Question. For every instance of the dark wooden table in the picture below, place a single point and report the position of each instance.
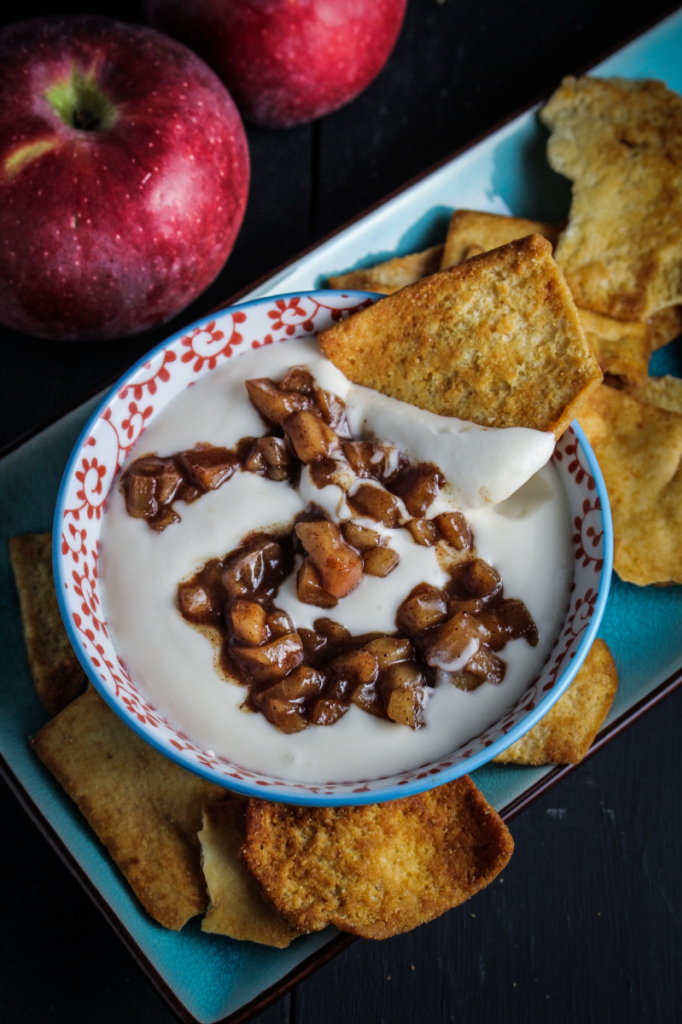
(585, 924)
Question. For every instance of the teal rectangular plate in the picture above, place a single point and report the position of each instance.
(206, 978)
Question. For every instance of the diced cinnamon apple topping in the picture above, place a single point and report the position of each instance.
(450, 645)
(476, 578)
(375, 502)
(335, 633)
(269, 456)
(338, 564)
(284, 714)
(256, 568)
(208, 467)
(380, 561)
(352, 669)
(279, 623)
(310, 436)
(507, 620)
(274, 404)
(300, 379)
(454, 528)
(314, 646)
(249, 623)
(333, 411)
(389, 650)
(272, 660)
(376, 459)
(360, 537)
(404, 694)
(424, 607)
(305, 677)
(149, 484)
(418, 486)
(326, 711)
(424, 532)
(194, 601)
(309, 587)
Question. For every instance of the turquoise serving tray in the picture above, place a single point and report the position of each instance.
(206, 978)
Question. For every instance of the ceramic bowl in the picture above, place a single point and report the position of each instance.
(118, 424)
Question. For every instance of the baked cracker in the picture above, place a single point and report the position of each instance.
(144, 808)
(380, 869)
(567, 731)
(622, 348)
(472, 232)
(620, 143)
(664, 326)
(236, 906)
(496, 340)
(639, 449)
(664, 392)
(392, 275)
(57, 674)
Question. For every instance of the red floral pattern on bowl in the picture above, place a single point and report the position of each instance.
(102, 450)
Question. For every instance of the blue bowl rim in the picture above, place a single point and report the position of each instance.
(292, 794)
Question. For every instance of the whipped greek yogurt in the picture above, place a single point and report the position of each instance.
(501, 479)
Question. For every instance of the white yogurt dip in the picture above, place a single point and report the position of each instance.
(526, 537)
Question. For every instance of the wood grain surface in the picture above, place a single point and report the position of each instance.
(585, 923)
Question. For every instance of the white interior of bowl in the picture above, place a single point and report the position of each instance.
(117, 426)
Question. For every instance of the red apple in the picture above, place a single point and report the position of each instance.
(286, 61)
(124, 173)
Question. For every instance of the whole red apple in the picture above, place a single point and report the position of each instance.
(286, 61)
(124, 173)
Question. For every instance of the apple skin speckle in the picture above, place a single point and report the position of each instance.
(286, 62)
(89, 253)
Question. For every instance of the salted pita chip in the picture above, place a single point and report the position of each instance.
(472, 232)
(664, 327)
(620, 143)
(639, 449)
(623, 348)
(55, 669)
(496, 340)
(237, 908)
(664, 392)
(143, 807)
(569, 728)
(392, 275)
(376, 870)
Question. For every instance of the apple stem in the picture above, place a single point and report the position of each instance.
(81, 104)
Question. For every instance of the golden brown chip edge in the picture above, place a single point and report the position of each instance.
(236, 907)
(120, 785)
(55, 670)
(361, 346)
(271, 825)
(568, 730)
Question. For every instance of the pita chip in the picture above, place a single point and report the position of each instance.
(380, 869)
(622, 348)
(472, 232)
(144, 808)
(664, 326)
(237, 908)
(55, 669)
(664, 392)
(392, 275)
(569, 728)
(620, 143)
(639, 449)
(496, 340)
